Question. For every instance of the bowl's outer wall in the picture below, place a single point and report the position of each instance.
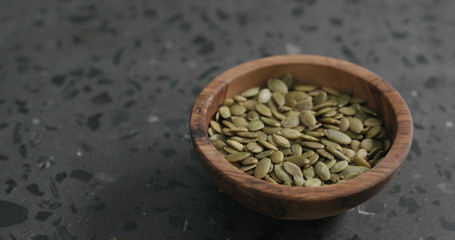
(292, 202)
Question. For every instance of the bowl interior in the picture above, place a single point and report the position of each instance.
(319, 75)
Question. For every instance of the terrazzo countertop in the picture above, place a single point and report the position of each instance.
(95, 98)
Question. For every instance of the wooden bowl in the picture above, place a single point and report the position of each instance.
(301, 203)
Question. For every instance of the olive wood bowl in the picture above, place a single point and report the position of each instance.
(291, 202)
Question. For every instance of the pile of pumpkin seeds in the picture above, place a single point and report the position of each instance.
(299, 134)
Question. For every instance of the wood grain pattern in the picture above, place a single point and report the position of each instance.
(301, 203)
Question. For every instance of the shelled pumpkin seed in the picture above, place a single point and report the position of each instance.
(299, 134)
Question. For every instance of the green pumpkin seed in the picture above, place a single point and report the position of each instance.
(330, 126)
(277, 157)
(228, 102)
(215, 126)
(330, 121)
(278, 115)
(240, 99)
(263, 109)
(352, 135)
(307, 154)
(323, 111)
(338, 154)
(322, 171)
(369, 144)
(218, 137)
(337, 136)
(281, 141)
(349, 153)
(247, 168)
(286, 151)
(236, 145)
(386, 145)
(343, 100)
(237, 109)
(271, 130)
(286, 183)
(330, 143)
(254, 147)
(291, 121)
(279, 98)
(313, 158)
(304, 104)
(250, 104)
(218, 144)
(251, 92)
(314, 145)
(308, 119)
(252, 115)
(355, 125)
(308, 173)
(313, 182)
(320, 98)
(298, 181)
(238, 156)
(264, 95)
(255, 125)
(355, 145)
(227, 132)
(297, 160)
(262, 168)
(275, 177)
(276, 85)
(270, 179)
(328, 103)
(351, 172)
(235, 130)
(309, 138)
(329, 163)
(360, 162)
(329, 114)
(315, 134)
(332, 91)
(287, 79)
(228, 124)
(271, 122)
(242, 139)
(325, 154)
(339, 166)
(292, 169)
(362, 153)
(249, 161)
(334, 178)
(247, 134)
(369, 111)
(225, 112)
(372, 122)
(271, 141)
(281, 174)
(267, 144)
(264, 154)
(344, 124)
(296, 149)
(290, 133)
(347, 111)
(373, 132)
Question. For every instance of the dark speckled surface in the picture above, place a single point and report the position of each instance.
(95, 98)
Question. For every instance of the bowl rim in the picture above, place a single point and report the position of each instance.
(377, 175)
